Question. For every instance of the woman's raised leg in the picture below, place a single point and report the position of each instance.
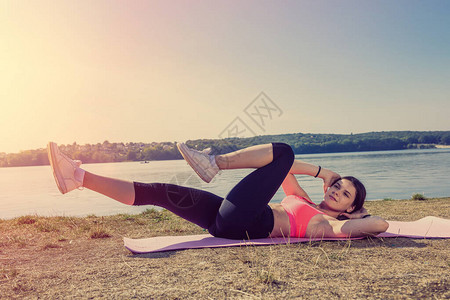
(69, 176)
(244, 211)
(207, 166)
(117, 189)
(252, 157)
(197, 206)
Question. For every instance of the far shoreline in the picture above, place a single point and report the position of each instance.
(301, 143)
(420, 147)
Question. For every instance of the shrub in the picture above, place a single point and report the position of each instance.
(418, 197)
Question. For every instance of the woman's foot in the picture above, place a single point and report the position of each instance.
(203, 164)
(63, 169)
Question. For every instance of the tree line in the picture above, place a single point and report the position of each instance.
(301, 143)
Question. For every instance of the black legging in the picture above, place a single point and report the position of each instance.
(243, 213)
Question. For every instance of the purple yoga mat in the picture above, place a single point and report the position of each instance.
(428, 227)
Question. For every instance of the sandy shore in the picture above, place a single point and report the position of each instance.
(64, 257)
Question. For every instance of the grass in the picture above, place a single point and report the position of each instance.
(68, 257)
(7, 273)
(51, 246)
(46, 225)
(99, 233)
(17, 240)
(26, 220)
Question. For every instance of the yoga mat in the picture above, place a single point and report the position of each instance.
(428, 227)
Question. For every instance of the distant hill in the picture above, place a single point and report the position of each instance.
(301, 143)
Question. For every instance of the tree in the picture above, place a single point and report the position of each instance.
(445, 139)
(426, 139)
(132, 155)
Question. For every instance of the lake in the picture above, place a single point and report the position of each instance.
(386, 174)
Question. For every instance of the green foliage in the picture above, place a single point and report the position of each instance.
(418, 197)
(302, 143)
(445, 139)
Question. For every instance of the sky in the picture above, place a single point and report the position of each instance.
(155, 71)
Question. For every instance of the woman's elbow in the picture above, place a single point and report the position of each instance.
(381, 225)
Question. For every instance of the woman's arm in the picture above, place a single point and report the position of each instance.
(291, 187)
(301, 167)
(328, 176)
(290, 184)
(372, 225)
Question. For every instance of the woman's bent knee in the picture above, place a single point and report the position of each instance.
(282, 149)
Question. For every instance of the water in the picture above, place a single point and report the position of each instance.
(386, 174)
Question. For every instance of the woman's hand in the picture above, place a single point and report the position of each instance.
(328, 177)
(356, 214)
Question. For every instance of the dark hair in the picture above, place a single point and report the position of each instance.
(360, 192)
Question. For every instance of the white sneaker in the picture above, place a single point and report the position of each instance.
(203, 164)
(63, 169)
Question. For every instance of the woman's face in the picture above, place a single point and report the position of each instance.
(340, 196)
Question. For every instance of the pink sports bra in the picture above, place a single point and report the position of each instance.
(300, 212)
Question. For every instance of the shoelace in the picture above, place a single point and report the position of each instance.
(75, 164)
(206, 151)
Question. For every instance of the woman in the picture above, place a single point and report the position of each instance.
(244, 212)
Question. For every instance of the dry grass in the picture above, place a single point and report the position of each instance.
(60, 258)
(99, 233)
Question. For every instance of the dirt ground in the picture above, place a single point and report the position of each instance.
(65, 257)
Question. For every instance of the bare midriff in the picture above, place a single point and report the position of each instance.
(281, 224)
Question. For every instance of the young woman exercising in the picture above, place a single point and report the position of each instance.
(244, 213)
